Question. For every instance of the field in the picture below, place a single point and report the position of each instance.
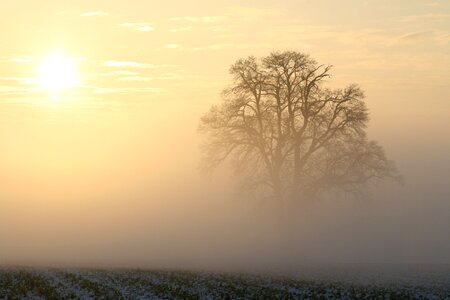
(27, 283)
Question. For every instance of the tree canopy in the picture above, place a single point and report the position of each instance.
(285, 131)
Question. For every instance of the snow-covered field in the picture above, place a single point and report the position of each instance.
(318, 283)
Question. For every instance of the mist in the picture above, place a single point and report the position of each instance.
(154, 208)
(107, 174)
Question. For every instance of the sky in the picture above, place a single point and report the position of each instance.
(114, 160)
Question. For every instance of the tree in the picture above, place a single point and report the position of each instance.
(286, 132)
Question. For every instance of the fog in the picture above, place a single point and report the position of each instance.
(107, 174)
(154, 208)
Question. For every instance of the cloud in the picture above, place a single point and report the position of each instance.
(414, 35)
(115, 73)
(178, 47)
(124, 72)
(186, 28)
(19, 80)
(21, 60)
(9, 91)
(171, 46)
(222, 46)
(207, 19)
(135, 78)
(410, 37)
(425, 17)
(130, 64)
(442, 37)
(254, 13)
(95, 14)
(165, 76)
(105, 90)
(433, 4)
(144, 27)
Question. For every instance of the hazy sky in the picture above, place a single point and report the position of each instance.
(113, 161)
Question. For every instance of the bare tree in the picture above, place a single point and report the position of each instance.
(285, 131)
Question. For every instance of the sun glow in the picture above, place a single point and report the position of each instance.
(57, 73)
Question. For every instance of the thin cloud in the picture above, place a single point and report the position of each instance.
(179, 47)
(130, 64)
(124, 72)
(17, 90)
(414, 35)
(135, 78)
(19, 80)
(144, 27)
(114, 74)
(186, 28)
(410, 37)
(442, 37)
(433, 4)
(171, 46)
(239, 46)
(103, 90)
(165, 76)
(425, 17)
(94, 14)
(21, 60)
(207, 19)
(253, 13)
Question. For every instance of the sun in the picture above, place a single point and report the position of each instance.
(57, 73)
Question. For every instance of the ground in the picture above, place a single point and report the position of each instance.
(29, 283)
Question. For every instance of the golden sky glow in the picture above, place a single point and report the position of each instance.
(132, 79)
(150, 51)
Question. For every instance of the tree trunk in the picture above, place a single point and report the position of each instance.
(297, 174)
